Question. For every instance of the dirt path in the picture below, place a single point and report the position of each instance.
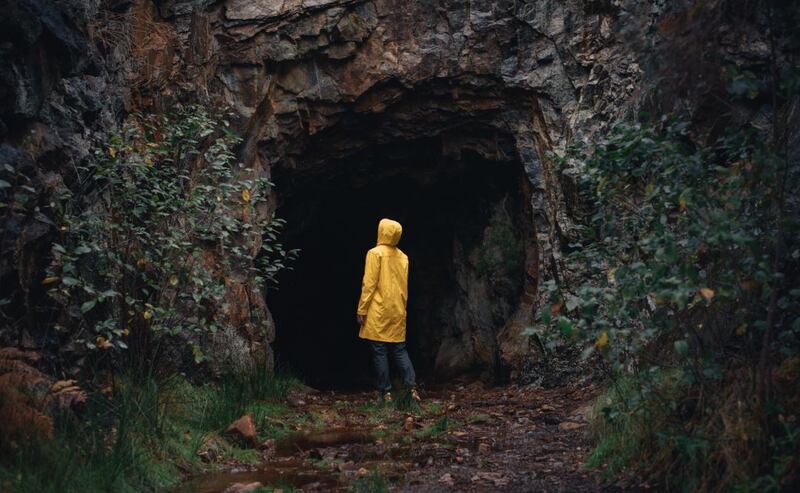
(462, 439)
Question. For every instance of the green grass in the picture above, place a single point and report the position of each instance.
(377, 412)
(373, 482)
(404, 402)
(438, 427)
(146, 437)
(432, 408)
(479, 418)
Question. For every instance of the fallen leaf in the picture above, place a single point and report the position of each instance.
(446, 478)
(602, 341)
(103, 343)
(707, 293)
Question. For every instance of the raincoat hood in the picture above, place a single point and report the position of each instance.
(389, 232)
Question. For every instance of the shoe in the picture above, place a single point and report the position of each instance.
(387, 397)
(415, 395)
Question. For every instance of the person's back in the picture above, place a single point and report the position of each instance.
(382, 306)
(384, 291)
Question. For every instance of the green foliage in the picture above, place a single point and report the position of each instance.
(171, 221)
(678, 233)
(404, 402)
(374, 482)
(441, 425)
(681, 276)
(144, 437)
(258, 393)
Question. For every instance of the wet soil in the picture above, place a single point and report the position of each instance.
(464, 438)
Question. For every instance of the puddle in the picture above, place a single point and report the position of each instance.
(327, 438)
(294, 474)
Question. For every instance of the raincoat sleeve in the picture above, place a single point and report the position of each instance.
(369, 284)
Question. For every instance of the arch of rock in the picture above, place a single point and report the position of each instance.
(439, 113)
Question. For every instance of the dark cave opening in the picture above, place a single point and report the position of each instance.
(446, 204)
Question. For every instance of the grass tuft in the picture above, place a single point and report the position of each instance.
(144, 437)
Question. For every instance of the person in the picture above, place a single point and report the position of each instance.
(381, 312)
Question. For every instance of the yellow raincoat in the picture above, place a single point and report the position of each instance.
(384, 290)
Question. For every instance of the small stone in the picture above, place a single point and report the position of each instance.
(295, 401)
(243, 430)
(243, 487)
(269, 446)
(447, 479)
(210, 449)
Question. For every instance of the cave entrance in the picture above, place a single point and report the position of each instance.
(461, 214)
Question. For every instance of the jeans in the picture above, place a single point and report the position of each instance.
(380, 362)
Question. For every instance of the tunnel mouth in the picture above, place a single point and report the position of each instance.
(461, 213)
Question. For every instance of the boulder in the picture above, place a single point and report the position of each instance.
(243, 431)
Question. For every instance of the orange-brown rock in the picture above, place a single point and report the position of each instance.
(243, 431)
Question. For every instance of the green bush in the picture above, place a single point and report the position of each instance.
(374, 482)
(168, 219)
(678, 288)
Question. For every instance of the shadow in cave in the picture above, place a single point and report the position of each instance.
(332, 214)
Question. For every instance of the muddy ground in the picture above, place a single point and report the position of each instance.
(462, 438)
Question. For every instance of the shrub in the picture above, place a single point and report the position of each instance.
(679, 288)
(166, 220)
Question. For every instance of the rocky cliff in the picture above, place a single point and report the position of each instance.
(314, 83)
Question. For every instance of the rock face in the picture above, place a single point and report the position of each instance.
(56, 92)
(315, 82)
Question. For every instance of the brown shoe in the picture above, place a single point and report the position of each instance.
(415, 395)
